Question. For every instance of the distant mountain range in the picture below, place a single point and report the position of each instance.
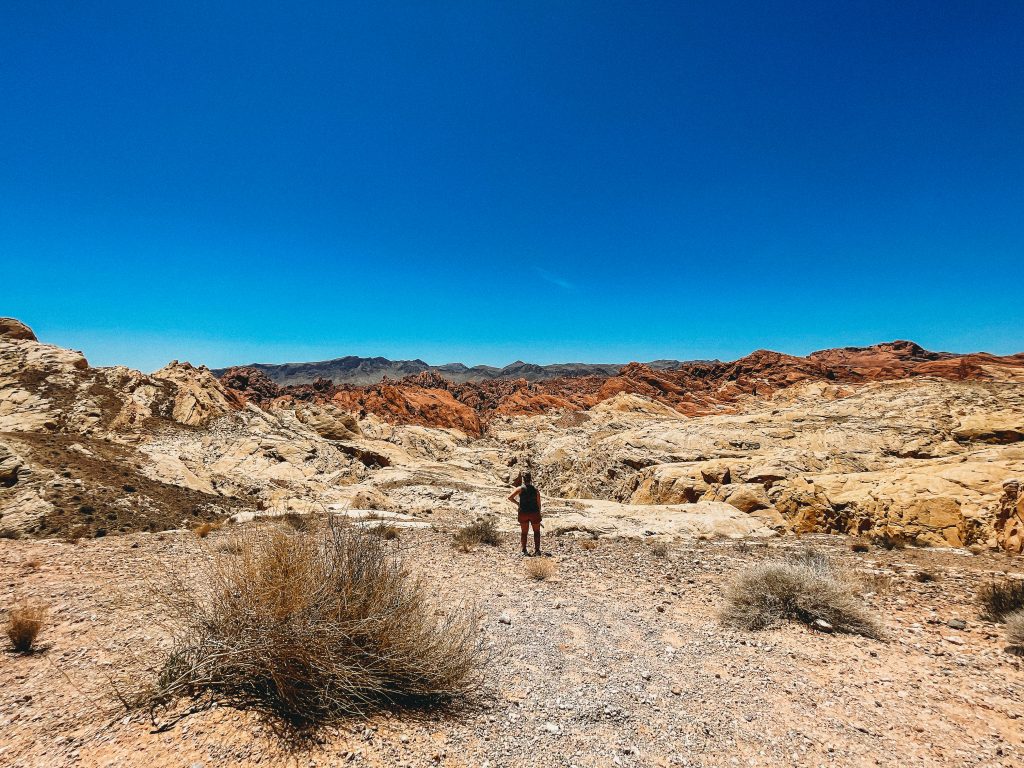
(363, 371)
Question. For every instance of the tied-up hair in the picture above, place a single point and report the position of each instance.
(527, 478)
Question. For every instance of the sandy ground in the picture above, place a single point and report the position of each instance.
(618, 660)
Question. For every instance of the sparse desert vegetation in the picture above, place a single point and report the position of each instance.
(483, 531)
(659, 548)
(312, 626)
(616, 629)
(24, 623)
(298, 522)
(205, 529)
(805, 587)
(999, 599)
(540, 568)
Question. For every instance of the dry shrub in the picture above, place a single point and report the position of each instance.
(204, 530)
(889, 539)
(540, 568)
(296, 521)
(589, 544)
(876, 583)
(314, 626)
(659, 549)
(926, 577)
(999, 599)
(483, 531)
(34, 564)
(804, 587)
(24, 623)
(1015, 629)
(860, 545)
(227, 545)
(386, 531)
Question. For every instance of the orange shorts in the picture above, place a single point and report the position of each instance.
(525, 520)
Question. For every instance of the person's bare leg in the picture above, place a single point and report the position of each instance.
(536, 539)
(522, 536)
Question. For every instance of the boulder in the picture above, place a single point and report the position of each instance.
(329, 422)
(15, 329)
(997, 428)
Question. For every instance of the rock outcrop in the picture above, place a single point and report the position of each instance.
(1009, 518)
(15, 329)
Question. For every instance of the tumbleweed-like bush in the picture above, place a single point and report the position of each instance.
(312, 626)
(998, 599)
(540, 568)
(24, 622)
(1015, 629)
(805, 587)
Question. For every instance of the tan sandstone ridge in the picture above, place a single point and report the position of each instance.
(887, 439)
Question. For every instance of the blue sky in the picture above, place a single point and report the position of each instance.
(476, 181)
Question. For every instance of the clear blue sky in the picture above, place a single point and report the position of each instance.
(478, 181)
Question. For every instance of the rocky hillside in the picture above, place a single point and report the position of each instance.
(360, 371)
(889, 440)
(430, 398)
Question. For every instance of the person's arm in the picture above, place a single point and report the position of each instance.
(514, 498)
(539, 503)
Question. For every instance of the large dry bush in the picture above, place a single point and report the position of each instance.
(805, 587)
(24, 622)
(314, 625)
(1015, 629)
(483, 531)
(998, 599)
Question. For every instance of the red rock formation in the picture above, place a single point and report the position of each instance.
(695, 388)
(409, 402)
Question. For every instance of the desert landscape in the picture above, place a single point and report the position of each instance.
(673, 492)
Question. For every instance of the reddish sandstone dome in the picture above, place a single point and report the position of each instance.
(693, 389)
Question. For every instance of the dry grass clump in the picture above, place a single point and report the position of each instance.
(860, 544)
(541, 568)
(314, 626)
(204, 530)
(1015, 629)
(926, 577)
(659, 549)
(588, 544)
(296, 521)
(483, 531)
(805, 587)
(24, 622)
(386, 531)
(999, 599)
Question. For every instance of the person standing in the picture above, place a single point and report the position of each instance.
(527, 498)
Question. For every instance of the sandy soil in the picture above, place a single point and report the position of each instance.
(618, 660)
